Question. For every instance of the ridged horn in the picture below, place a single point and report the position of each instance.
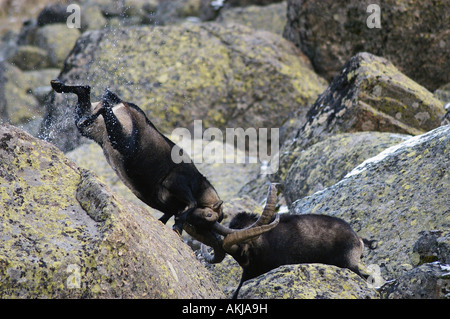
(259, 227)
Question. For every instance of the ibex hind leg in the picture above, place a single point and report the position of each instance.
(82, 91)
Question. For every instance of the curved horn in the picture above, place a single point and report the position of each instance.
(210, 239)
(265, 217)
(269, 209)
(259, 227)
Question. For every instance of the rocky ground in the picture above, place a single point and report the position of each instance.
(364, 136)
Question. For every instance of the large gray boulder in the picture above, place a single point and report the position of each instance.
(308, 281)
(413, 35)
(327, 162)
(370, 94)
(64, 234)
(393, 197)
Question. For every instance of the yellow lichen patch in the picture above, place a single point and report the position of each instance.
(66, 235)
(308, 281)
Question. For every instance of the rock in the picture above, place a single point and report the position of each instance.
(220, 74)
(227, 274)
(57, 40)
(41, 93)
(429, 281)
(92, 18)
(172, 12)
(369, 94)
(90, 156)
(29, 57)
(53, 13)
(109, 8)
(210, 9)
(270, 18)
(327, 162)
(308, 281)
(36, 78)
(8, 45)
(381, 97)
(64, 234)
(443, 93)
(413, 35)
(17, 106)
(392, 198)
(433, 245)
(243, 3)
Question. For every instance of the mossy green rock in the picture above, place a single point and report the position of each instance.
(17, 106)
(64, 234)
(412, 34)
(428, 281)
(393, 197)
(270, 18)
(327, 162)
(308, 281)
(28, 57)
(225, 75)
(370, 94)
(227, 274)
(57, 40)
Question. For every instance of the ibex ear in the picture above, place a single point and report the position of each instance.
(217, 205)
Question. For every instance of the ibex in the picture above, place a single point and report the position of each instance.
(264, 243)
(142, 158)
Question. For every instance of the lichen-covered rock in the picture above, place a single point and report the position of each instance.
(429, 281)
(270, 18)
(176, 74)
(227, 274)
(413, 35)
(369, 94)
(327, 162)
(171, 12)
(433, 245)
(57, 40)
(443, 93)
(64, 234)
(28, 57)
(308, 281)
(393, 197)
(90, 156)
(16, 105)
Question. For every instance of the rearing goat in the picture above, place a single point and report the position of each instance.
(142, 158)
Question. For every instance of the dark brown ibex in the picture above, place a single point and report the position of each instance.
(142, 158)
(260, 244)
